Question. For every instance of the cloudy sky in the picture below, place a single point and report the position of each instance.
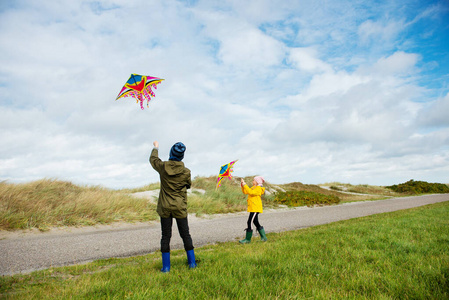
(310, 91)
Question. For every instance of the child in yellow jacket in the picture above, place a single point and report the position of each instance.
(254, 207)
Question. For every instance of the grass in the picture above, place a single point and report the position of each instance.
(362, 189)
(303, 198)
(48, 203)
(148, 187)
(398, 255)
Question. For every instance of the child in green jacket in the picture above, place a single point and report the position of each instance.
(172, 203)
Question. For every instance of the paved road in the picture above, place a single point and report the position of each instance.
(22, 254)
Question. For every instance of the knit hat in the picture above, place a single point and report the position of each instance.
(259, 180)
(177, 151)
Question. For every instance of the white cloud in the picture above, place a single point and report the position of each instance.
(241, 44)
(309, 92)
(436, 114)
(396, 64)
(305, 59)
(379, 31)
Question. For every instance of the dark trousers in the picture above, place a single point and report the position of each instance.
(253, 218)
(183, 228)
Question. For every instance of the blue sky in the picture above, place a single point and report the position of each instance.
(308, 91)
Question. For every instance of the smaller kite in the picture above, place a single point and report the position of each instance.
(140, 88)
(225, 171)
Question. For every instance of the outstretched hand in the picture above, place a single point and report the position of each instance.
(156, 144)
(242, 182)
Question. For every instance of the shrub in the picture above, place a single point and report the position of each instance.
(302, 198)
(420, 187)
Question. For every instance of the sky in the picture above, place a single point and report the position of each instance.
(298, 91)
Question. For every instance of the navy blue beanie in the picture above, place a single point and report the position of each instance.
(177, 151)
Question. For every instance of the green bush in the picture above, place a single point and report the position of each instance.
(420, 187)
(304, 198)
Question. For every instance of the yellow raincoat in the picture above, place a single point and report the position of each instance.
(254, 200)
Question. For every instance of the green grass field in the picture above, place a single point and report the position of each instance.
(398, 255)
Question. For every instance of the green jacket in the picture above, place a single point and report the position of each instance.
(175, 180)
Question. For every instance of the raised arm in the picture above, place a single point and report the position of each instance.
(155, 161)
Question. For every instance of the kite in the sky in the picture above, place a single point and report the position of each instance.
(225, 171)
(140, 88)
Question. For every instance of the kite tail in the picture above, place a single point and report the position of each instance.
(150, 91)
(219, 179)
(139, 96)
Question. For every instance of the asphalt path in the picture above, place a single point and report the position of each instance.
(30, 252)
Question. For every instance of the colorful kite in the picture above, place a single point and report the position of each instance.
(225, 171)
(139, 87)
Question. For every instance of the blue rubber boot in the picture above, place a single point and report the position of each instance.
(191, 259)
(165, 262)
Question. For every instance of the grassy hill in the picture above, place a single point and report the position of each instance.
(50, 203)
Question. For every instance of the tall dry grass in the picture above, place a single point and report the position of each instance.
(46, 203)
(51, 203)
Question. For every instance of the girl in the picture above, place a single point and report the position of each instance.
(254, 207)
